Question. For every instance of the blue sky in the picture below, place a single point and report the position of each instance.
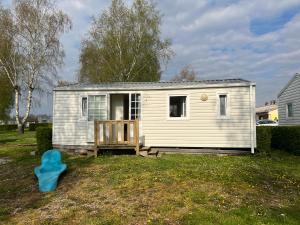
(255, 40)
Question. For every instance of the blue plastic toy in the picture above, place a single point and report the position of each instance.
(50, 170)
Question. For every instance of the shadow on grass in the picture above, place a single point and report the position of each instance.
(108, 152)
(19, 185)
(5, 141)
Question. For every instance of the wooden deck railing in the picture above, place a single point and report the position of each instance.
(117, 133)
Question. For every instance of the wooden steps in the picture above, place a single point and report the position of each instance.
(115, 147)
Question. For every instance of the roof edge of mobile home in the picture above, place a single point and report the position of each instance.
(288, 84)
(156, 85)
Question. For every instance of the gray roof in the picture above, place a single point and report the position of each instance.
(266, 108)
(156, 85)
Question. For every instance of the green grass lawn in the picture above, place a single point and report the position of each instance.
(173, 189)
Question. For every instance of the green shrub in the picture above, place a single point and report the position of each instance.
(33, 126)
(263, 139)
(44, 139)
(286, 138)
(8, 127)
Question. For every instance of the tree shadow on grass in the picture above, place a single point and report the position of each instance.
(5, 141)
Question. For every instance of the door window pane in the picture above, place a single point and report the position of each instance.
(135, 109)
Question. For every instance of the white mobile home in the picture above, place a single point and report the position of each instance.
(197, 114)
(289, 102)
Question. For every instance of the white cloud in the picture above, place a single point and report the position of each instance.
(217, 41)
(218, 18)
(214, 36)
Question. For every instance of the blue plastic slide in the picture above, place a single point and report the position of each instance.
(50, 170)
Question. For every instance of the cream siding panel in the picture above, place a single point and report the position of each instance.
(69, 128)
(290, 95)
(202, 128)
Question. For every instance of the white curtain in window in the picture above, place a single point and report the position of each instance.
(96, 107)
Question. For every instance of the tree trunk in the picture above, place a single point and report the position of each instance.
(17, 99)
(28, 107)
(21, 124)
(20, 129)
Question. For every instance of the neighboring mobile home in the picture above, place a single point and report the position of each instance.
(267, 112)
(196, 114)
(289, 102)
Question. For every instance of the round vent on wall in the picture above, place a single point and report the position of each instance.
(204, 97)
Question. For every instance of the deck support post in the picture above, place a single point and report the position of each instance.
(137, 137)
(96, 152)
(96, 139)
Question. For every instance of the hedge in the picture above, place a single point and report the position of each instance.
(8, 127)
(263, 139)
(44, 139)
(285, 138)
(33, 126)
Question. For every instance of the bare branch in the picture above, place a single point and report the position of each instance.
(33, 29)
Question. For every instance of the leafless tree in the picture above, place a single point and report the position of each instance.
(186, 74)
(33, 28)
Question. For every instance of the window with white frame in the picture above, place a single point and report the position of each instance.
(177, 106)
(96, 107)
(223, 106)
(135, 106)
(289, 110)
(84, 106)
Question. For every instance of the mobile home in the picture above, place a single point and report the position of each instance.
(289, 102)
(197, 114)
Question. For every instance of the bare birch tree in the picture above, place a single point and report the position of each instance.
(34, 28)
(124, 44)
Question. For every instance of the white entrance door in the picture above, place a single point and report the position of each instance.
(117, 107)
(117, 113)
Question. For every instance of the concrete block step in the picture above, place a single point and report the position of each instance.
(153, 152)
(145, 148)
(143, 153)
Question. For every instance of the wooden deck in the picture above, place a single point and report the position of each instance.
(116, 134)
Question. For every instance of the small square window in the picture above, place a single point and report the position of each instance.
(289, 108)
(84, 106)
(223, 105)
(177, 106)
